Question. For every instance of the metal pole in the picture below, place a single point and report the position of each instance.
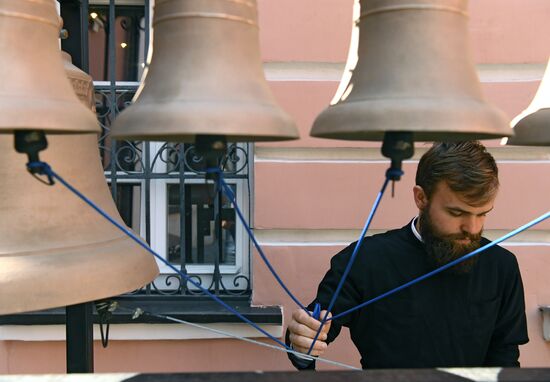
(218, 204)
(78, 318)
(84, 53)
(80, 337)
(112, 92)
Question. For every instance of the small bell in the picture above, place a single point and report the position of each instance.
(410, 70)
(81, 82)
(205, 78)
(532, 126)
(35, 93)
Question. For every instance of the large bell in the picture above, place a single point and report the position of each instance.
(410, 70)
(532, 126)
(205, 78)
(34, 91)
(54, 249)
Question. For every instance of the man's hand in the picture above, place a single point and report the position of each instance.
(302, 330)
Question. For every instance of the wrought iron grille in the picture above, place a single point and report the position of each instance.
(160, 188)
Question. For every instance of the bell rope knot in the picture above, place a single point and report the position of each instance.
(41, 168)
(394, 173)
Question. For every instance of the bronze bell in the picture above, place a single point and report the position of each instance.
(34, 91)
(410, 70)
(532, 126)
(54, 249)
(81, 82)
(205, 78)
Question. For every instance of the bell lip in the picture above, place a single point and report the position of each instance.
(350, 116)
(119, 264)
(69, 117)
(49, 131)
(440, 136)
(190, 138)
(532, 130)
(183, 121)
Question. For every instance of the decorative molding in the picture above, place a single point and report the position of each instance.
(332, 72)
(339, 237)
(135, 332)
(373, 154)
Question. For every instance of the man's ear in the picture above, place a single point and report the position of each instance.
(420, 197)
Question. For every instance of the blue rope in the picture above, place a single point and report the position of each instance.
(47, 170)
(448, 265)
(231, 195)
(389, 174)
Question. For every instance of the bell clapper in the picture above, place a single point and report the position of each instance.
(31, 142)
(397, 146)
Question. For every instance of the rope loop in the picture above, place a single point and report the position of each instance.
(41, 168)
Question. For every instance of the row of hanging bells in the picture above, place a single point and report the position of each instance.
(205, 77)
(409, 69)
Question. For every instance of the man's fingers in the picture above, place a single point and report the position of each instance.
(302, 344)
(314, 353)
(302, 330)
(303, 318)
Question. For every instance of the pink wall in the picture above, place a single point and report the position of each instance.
(292, 195)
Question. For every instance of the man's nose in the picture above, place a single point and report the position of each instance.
(472, 225)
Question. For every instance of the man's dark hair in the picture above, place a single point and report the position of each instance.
(467, 168)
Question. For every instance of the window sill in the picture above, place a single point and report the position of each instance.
(48, 325)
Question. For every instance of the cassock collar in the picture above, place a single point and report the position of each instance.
(414, 230)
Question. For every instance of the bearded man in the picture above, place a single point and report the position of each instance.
(472, 314)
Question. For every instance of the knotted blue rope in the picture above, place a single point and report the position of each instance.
(45, 169)
(231, 196)
(446, 266)
(390, 174)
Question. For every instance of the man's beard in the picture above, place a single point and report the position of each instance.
(442, 249)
